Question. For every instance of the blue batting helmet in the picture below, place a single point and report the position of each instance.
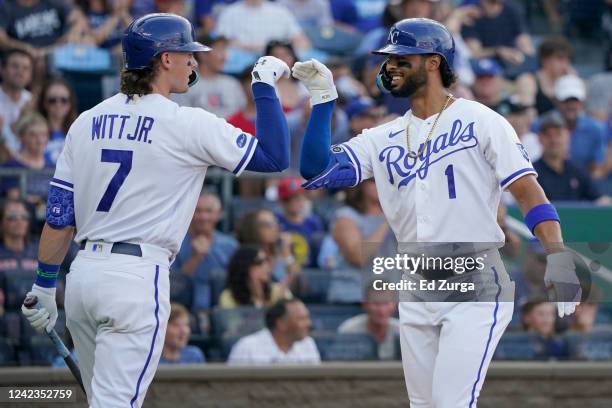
(153, 34)
(419, 36)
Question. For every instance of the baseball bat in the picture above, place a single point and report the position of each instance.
(32, 302)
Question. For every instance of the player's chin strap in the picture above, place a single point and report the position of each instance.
(193, 78)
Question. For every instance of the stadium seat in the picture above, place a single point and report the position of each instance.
(7, 353)
(346, 347)
(326, 209)
(238, 321)
(594, 346)
(313, 284)
(604, 314)
(519, 346)
(327, 318)
(41, 350)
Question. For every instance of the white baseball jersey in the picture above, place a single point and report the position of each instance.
(137, 167)
(451, 193)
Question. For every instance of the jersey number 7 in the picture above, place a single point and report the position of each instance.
(124, 158)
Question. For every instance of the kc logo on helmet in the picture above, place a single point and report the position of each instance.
(393, 36)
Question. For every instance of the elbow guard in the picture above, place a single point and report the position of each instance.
(340, 173)
(60, 208)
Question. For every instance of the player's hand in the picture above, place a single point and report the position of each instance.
(45, 316)
(560, 277)
(268, 70)
(318, 79)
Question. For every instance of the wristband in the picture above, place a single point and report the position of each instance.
(541, 213)
(46, 275)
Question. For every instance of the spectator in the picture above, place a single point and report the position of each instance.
(554, 58)
(204, 251)
(295, 220)
(310, 12)
(33, 132)
(500, 32)
(488, 87)
(267, 21)
(215, 92)
(58, 105)
(359, 15)
(176, 350)
(588, 139)
(248, 280)
(16, 74)
(17, 253)
(560, 178)
(107, 20)
(599, 98)
(363, 114)
(538, 316)
(36, 26)
(583, 319)
(260, 227)
(520, 117)
(361, 220)
(179, 7)
(529, 280)
(245, 118)
(377, 321)
(293, 95)
(285, 339)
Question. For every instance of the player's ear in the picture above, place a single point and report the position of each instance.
(165, 59)
(433, 62)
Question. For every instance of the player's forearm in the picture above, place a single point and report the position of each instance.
(315, 154)
(54, 244)
(272, 132)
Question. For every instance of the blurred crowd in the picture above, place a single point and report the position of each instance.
(282, 281)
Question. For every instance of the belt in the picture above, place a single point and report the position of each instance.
(123, 248)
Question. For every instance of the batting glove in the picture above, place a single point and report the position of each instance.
(318, 79)
(45, 315)
(561, 278)
(269, 70)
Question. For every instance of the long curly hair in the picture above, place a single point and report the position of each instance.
(238, 274)
(138, 82)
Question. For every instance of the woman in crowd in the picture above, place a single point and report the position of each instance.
(33, 132)
(292, 94)
(249, 280)
(260, 227)
(58, 105)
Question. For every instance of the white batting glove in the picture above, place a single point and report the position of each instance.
(318, 79)
(45, 316)
(560, 276)
(269, 70)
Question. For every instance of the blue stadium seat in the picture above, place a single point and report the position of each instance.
(7, 353)
(41, 350)
(313, 284)
(594, 346)
(226, 344)
(604, 314)
(181, 289)
(238, 321)
(346, 347)
(327, 318)
(519, 346)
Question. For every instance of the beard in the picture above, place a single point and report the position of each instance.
(412, 83)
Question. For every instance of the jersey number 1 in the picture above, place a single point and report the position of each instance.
(450, 176)
(124, 158)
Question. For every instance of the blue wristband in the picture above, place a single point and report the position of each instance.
(46, 275)
(541, 213)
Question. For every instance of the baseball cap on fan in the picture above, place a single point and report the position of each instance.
(570, 87)
(486, 67)
(289, 187)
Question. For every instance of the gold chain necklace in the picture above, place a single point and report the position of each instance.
(422, 149)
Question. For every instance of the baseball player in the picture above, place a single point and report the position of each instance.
(439, 172)
(127, 181)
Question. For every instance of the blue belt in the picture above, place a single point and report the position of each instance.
(123, 248)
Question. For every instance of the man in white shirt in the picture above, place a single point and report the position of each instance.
(251, 24)
(285, 340)
(378, 322)
(16, 73)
